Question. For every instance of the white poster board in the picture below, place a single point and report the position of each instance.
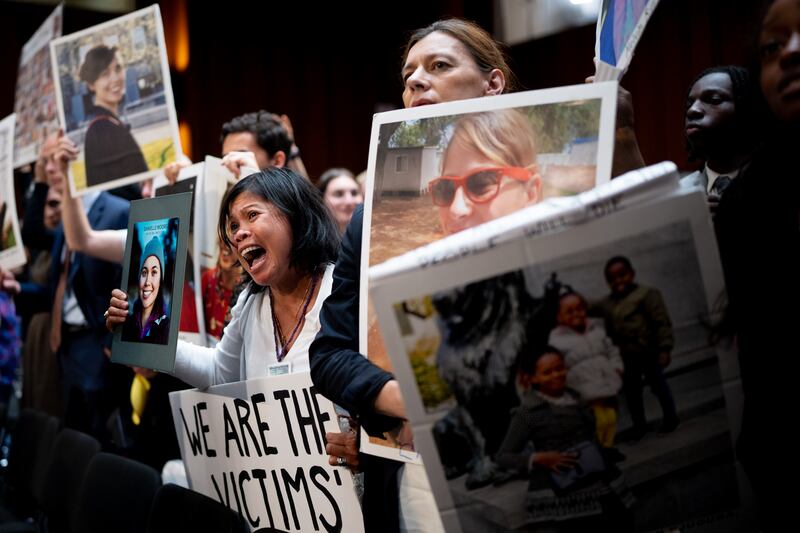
(258, 446)
(12, 252)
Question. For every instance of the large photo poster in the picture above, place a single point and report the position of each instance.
(569, 379)
(35, 95)
(258, 447)
(439, 170)
(115, 101)
(12, 252)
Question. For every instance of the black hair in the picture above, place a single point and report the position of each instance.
(527, 365)
(329, 175)
(769, 125)
(618, 259)
(96, 61)
(315, 237)
(270, 133)
(744, 92)
(569, 291)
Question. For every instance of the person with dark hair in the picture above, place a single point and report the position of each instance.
(110, 150)
(259, 140)
(759, 235)
(570, 485)
(149, 321)
(284, 238)
(638, 322)
(341, 194)
(720, 125)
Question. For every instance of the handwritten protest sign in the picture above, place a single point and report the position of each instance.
(258, 446)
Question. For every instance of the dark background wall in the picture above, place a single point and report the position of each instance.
(329, 70)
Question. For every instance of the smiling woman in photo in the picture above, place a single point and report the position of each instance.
(149, 321)
(110, 150)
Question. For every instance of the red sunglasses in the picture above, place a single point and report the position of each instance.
(481, 185)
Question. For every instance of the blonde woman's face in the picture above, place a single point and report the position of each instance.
(460, 159)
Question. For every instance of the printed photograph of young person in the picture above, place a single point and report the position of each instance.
(150, 281)
(115, 101)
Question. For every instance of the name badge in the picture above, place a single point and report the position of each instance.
(279, 369)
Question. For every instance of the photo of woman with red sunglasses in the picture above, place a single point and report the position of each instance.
(488, 170)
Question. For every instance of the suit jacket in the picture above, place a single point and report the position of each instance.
(92, 281)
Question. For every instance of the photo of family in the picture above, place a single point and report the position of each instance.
(150, 281)
(115, 101)
(557, 393)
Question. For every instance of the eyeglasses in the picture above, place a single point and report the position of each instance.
(481, 185)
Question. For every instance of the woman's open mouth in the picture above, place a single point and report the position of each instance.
(146, 294)
(254, 256)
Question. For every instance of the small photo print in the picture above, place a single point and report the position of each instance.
(150, 281)
(115, 101)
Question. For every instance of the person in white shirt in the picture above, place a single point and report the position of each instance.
(284, 237)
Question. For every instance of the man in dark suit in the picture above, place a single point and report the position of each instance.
(80, 286)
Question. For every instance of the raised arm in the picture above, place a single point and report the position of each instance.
(105, 244)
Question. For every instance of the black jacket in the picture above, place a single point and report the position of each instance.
(346, 377)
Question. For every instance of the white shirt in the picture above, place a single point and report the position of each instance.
(713, 175)
(247, 348)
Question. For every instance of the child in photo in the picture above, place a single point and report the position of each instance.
(638, 322)
(594, 366)
(551, 440)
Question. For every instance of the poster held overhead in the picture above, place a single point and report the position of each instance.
(35, 96)
(12, 252)
(115, 102)
(154, 265)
